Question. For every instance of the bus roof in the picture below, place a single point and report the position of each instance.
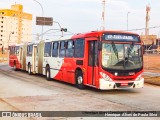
(59, 39)
(98, 33)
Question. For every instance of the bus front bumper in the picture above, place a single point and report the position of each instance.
(105, 85)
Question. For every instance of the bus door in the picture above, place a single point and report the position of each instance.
(92, 68)
(34, 59)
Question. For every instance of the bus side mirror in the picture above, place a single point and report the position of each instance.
(99, 45)
(143, 48)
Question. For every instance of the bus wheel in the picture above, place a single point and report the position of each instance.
(48, 74)
(14, 67)
(29, 69)
(79, 80)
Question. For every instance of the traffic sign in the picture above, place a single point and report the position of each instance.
(48, 21)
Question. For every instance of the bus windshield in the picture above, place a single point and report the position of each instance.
(121, 56)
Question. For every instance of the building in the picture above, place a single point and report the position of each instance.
(149, 39)
(15, 26)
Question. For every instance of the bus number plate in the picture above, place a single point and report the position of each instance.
(124, 84)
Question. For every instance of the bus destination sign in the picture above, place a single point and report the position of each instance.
(121, 37)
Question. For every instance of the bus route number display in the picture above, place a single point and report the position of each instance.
(121, 37)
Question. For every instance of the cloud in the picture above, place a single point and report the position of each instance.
(77, 1)
(118, 5)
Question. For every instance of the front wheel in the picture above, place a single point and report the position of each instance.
(79, 80)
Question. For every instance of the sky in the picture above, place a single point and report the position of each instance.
(80, 16)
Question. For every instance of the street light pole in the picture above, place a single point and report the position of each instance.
(42, 15)
(8, 42)
(9, 38)
(59, 26)
(127, 20)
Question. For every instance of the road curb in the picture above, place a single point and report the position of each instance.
(152, 82)
(150, 78)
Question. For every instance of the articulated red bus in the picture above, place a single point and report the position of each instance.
(100, 59)
(17, 56)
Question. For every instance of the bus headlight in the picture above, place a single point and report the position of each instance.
(105, 77)
(139, 77)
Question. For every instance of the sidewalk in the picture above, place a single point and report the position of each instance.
(152, 74)
(152, 78)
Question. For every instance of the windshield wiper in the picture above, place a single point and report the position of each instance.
(115, 50)
(130, 49)
(126, 59)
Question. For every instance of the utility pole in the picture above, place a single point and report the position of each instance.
(147, 23)
(103, 14)
(127, 20)
(147, 20)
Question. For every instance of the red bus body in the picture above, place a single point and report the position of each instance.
(17, 56)
(91, 59)
(13, 57)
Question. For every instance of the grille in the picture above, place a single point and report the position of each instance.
(119, 85)
(121, 73)
(123, 79)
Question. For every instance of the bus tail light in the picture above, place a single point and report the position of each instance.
(105, 77)
(139, 77)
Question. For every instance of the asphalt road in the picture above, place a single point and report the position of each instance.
(23, 92)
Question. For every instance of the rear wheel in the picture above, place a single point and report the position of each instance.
(79, 80)
(14, 67)
(48, 77)
(29, 69)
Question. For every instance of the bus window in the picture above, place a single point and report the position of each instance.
(47, 50)
(12, 51)
(70, 48)
(79, 48)
(37, 49)
(55, 49)
(17, 50)
(93, 53)
(29, 50)
(62, 49)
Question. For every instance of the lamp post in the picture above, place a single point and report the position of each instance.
(59, 27)
(127, 20)
(9, 38)
(42, 14)
(8, 42)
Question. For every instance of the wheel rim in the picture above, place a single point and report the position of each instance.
(47, 74)
(79, 79)
(29, 70)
